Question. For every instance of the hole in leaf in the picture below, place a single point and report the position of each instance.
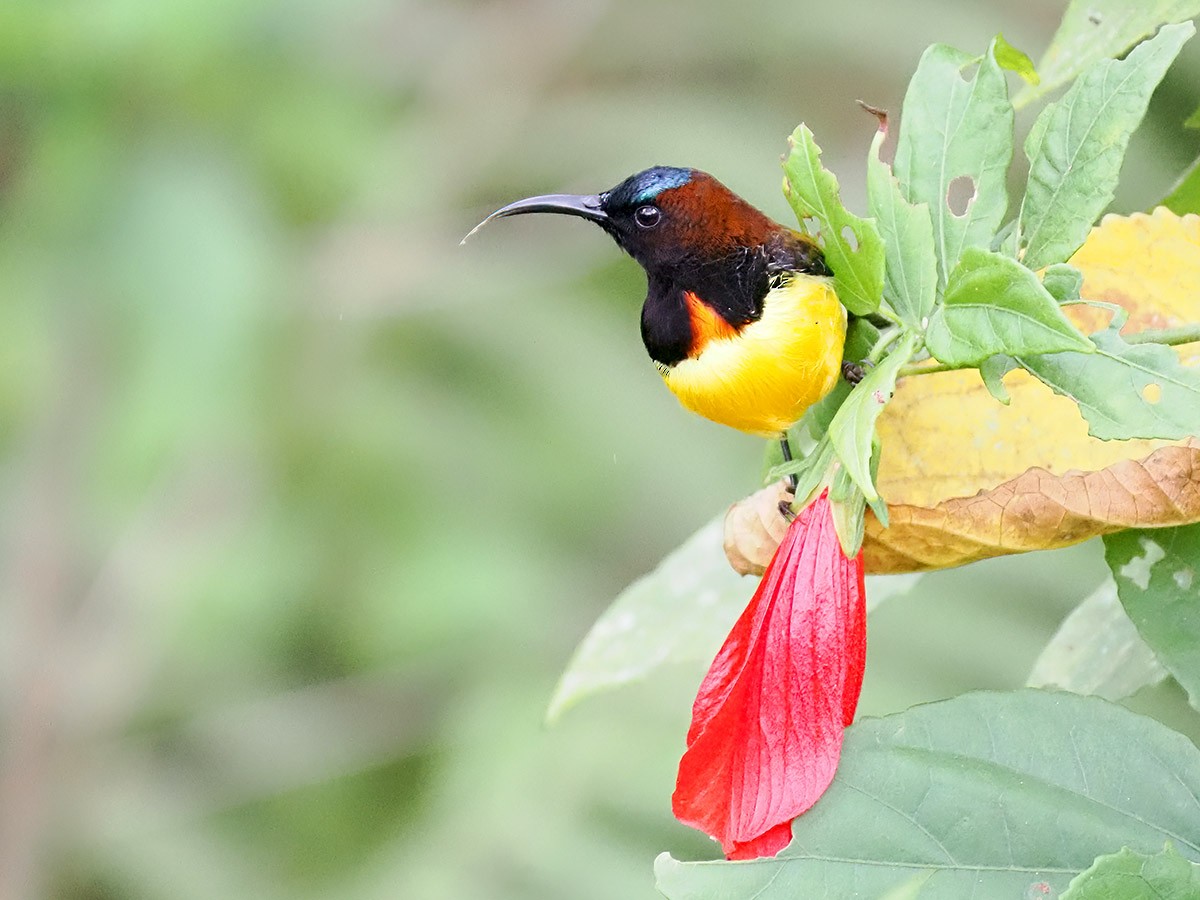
(811, 225)
(1152, 393)
(959, 194)
(850, 238)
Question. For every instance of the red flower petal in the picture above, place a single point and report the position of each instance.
(767, 723)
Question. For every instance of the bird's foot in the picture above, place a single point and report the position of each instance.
(854, 372)
(785, 510)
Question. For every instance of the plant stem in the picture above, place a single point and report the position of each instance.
(921, 368)
(1172, 337)
(886, 339)
(1182, 334)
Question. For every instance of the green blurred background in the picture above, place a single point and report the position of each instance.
(305, 506)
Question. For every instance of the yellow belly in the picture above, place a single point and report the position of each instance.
(762, 379)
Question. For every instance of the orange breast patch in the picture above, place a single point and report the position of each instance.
(707, 324)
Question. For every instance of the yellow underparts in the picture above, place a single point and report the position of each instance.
(763, 378)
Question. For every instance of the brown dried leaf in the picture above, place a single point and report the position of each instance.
(967, 478)
(1039, 510)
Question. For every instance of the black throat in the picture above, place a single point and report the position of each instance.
(734, 285)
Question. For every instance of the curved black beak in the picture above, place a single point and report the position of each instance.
(586, 206)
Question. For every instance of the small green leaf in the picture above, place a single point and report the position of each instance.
(861, 337)
(993, 304)
(809, 470)
(853, 427)
(810, 476)
(1063, 282)
(1077, 146)
(1014, 60)
(992, 370)
(1006, 240)
(956, 142)
(1193, 121)
(1097, 650)
(680, 611)
(1092, 30)
(911, 275)
(1158, 580)
(849, 508)
(877, 504)
(1185, 195)
(1137, 876)
(852, 246)
(1125, 390)
(990, 794)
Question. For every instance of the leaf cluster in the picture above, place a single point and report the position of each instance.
(1012, 794)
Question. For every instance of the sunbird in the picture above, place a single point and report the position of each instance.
(740, 317)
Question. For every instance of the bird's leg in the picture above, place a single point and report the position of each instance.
(784, 506)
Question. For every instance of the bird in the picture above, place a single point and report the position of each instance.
(741, 317)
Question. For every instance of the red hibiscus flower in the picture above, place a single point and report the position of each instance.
(767, 723)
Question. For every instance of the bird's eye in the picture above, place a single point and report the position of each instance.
(647, 216)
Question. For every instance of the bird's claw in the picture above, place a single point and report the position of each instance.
(854, 372)
(785, 509)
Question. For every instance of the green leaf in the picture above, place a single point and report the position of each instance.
(993, 304)
(907, 890)
(956, 134)
(852, 246)
(853, 427)
(992, 370)
(1125, 390)
(877, 504)
(1005, 240)
(1158, 580)
(1137, 876)
(911, 275)
(991, 794)
(1193, 121)
(1092, 30)
(861, 337)
(809, 470)
(1014, 60)
(849, 508)
(1063, 282)
(1097, 650)
(1185, 195)
(1077, 146)
(681, 611)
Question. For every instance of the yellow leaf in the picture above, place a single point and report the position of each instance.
(1038, 510)
(966, 478)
